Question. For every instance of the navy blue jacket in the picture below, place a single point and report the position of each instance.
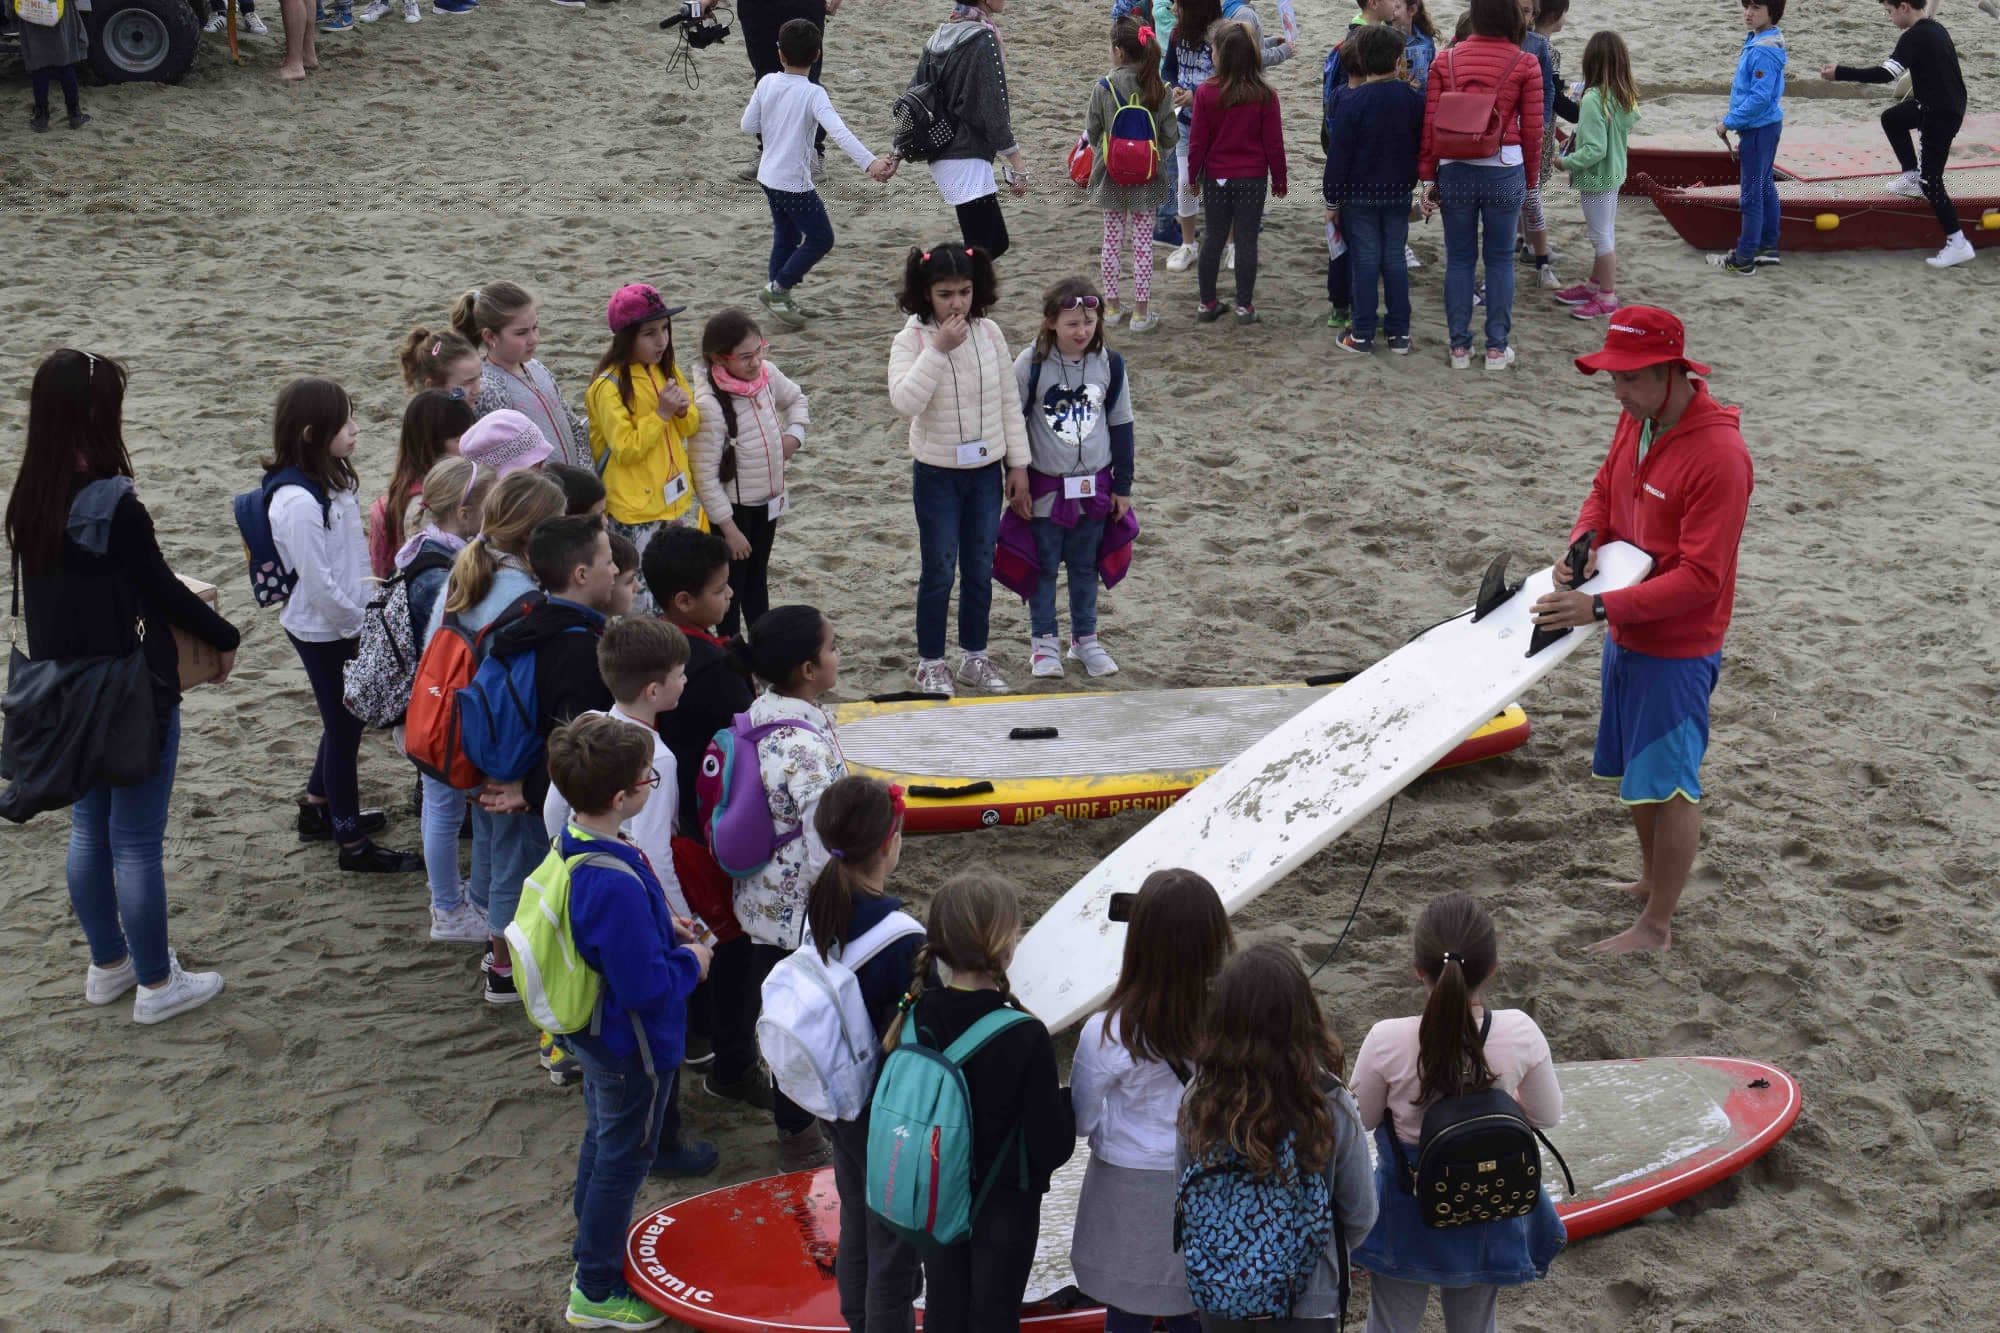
(887, 975)
(1377, 131)
(625, 934)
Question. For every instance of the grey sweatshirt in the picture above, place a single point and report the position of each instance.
(964, 60)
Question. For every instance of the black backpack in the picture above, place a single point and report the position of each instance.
(925, 127)
(1477, 1158)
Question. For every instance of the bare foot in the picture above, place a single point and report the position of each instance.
(1639, 889)
(291, 73)
(1643, 937)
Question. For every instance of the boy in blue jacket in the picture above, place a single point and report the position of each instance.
(650, 963)
(1757, 114)
(1371, 172)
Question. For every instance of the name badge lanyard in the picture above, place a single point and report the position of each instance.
(558, 417)
(958, 401)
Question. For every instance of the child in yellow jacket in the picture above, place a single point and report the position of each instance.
(642, 415)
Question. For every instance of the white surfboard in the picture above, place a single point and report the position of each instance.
(1306, 783)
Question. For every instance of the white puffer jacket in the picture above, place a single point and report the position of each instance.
(762, 423)
(956, 398)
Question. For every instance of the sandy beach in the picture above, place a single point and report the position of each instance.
(350, 1139)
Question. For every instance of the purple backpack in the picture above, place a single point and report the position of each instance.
(730, 800)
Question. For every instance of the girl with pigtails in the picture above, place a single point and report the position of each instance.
(1022, 1125)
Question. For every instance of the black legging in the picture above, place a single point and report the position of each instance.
(1938, 132)
(63, 74)
(760, 21)
(334, 776)
(982, 224)
(750, 577)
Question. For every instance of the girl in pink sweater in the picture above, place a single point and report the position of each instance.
(1236, 151)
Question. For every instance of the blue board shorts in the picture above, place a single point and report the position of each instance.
(1653, 730)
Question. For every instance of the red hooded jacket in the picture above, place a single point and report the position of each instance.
(1478, 64)
(1684, 506)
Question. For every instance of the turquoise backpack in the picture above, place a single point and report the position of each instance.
(920, 1137)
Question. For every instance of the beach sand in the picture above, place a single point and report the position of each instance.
(349, 1138)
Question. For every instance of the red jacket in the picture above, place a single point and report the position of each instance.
(1477, 64)
(1684, 506)
(1230, 143)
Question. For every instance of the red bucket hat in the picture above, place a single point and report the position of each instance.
(1641, 336)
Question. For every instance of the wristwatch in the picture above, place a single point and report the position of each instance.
(1597, 607)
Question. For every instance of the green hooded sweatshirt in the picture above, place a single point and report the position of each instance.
(1596, 161)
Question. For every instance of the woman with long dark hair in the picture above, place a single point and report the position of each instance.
(965, 61)
(91, 577)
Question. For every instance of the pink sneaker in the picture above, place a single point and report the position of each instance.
(1597, 307)
(1581, 294)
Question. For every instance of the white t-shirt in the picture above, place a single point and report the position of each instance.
(1126, 1107)
(1385, 1076)
(785, 109)
(963, 179)
(652, 829)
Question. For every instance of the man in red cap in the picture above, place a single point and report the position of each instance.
(1676, 484)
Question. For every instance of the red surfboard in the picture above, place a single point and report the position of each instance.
(1638, 1135)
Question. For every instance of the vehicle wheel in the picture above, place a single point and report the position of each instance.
(137, 41)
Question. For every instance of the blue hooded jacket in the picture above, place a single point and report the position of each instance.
(625, 934)
(1756, 97)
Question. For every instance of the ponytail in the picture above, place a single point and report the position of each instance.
(1456, 950)
(856, 819)
(519, 503)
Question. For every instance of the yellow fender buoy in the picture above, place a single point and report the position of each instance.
(1990, 220)
(1826, 222)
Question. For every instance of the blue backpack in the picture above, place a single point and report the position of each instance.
(920, 1137)
(1251, 1242)
(271, 583)
(497, 711)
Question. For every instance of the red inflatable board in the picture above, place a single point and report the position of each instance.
(1638, 1135)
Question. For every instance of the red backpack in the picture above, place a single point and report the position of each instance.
(1467, 125)
(433, 736)
(1132, 143)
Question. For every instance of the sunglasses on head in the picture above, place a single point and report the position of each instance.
(1080, 303)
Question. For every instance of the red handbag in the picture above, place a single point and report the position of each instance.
(710, 892)
(1081, 160)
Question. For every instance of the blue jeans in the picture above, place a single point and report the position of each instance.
(1476, 199)
(515, 845)
(1076, 548)
(1757, 192)
(801, 235)
(443, 816)
(624, 1108)
(117, 881)
(958, 525)
(1376, 234)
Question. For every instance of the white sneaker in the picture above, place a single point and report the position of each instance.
(1145, 323)
(102, 985)
(462, 924)
(373, 12)
(1410, 260)
(1461, 360)
(1229, 256)
(977, 669)
(934, 677)
(1910, 185)
(1499, 360)
(1112, 314)
(1045, 657)
(216, 23)
(1096, 661)
(180, 992)
(411, 13)
(254, 26)
(1956, 251)
(1182, 259)
(1547, 273)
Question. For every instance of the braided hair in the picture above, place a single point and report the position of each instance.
(974, 921)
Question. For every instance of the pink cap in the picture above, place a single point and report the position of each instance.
(635, 304)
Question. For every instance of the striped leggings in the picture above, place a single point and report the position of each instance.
(1137, 228)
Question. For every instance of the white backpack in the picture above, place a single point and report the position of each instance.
(814, 1030)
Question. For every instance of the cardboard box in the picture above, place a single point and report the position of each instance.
(200, 663)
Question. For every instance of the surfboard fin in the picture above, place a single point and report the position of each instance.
(1577, 558)
(1494, 590)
